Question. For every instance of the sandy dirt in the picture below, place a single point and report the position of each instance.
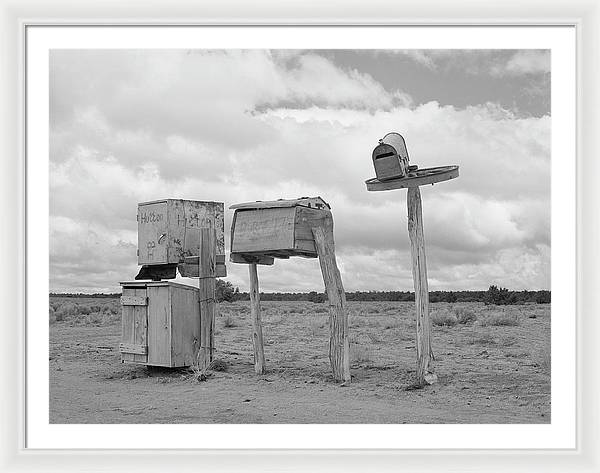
(487, 373)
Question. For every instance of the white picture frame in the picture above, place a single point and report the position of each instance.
(584, 16)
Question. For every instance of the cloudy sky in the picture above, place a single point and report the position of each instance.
(128, 126)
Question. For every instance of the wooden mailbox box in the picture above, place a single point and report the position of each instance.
(169, 230)
(261, 231)
(160, 323)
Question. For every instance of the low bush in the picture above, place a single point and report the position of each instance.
(66, 310)
(316, 327)
(464, 315)
(497, 319)
(392, 324)
(544, 362)
(228, 321)
(359, 354)
(483, 339)
(93, 319)
(443, 318)
(85, 310)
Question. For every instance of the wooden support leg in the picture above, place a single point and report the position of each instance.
(206, 275)
(257, 335)
(419, 269)
(339, 344)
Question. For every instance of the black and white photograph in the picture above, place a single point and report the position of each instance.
(312, 236)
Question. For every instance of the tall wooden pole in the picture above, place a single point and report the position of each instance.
(257, 335)
(419, 270)
(339, 344)
(206, 273)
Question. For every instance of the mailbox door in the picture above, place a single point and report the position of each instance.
(152, 233)
(134, 339)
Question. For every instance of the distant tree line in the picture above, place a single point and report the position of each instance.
(494, 295)
(226, 292)
(102, 295)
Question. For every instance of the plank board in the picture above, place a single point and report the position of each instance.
(185, 326)
(263, 230)
(159, 326)
(189, 269)
(152, 232)
(134, 300)
(311, 202)
(248, 258)
(133, 349)
(186, 218)
(134, 324)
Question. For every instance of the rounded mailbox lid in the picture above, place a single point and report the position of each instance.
(396, 141)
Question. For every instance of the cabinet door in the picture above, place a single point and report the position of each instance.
(159, 326)
(134, 339)
(152, 233)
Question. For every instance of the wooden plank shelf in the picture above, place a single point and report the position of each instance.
(421, 177)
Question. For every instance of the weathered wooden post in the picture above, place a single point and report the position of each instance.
(257, 334)
(339, 341)
(263, 231)
(206, 295)
(391, 162)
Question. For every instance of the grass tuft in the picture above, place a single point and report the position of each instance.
(498, 319)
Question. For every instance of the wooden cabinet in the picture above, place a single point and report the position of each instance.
(160, 323)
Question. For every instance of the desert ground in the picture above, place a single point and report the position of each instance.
(493, 365)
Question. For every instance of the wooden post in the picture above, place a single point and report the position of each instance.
(339, 344)
(206, 273)
(257, 335)
(419, 270)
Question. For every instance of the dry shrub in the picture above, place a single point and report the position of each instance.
(316, 327)
(392, 324)
(483, 339)
(444, 318)
(508, 341)
(110, 318)
(545, 362)
(108, 309)
(374, 337)
(93, 319)
(295, 310)
(85, 310)
(359, 353)
(218, 365)
(498, 319)
(228, 321)
(320, 310)
(51, 315)
(66, 310)
(464, 315)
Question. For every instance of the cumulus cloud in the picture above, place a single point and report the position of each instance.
(234, 126)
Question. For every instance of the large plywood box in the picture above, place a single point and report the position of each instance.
(278, 229)
(160, 324)
(169, 230)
